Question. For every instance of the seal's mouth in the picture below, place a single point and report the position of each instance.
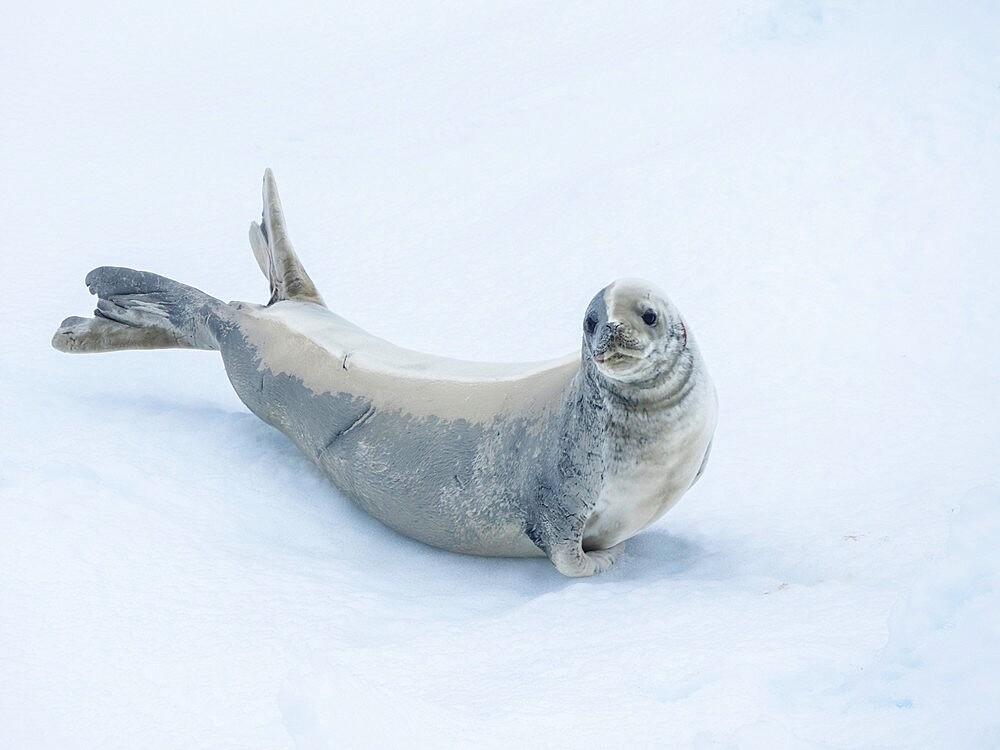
(616, 357)
(616, 348)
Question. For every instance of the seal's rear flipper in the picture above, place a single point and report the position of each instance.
(274, 253)
(78, 335)
(140, 310)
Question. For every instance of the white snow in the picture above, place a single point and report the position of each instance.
(815, 184)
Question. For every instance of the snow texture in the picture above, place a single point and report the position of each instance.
(816, 185)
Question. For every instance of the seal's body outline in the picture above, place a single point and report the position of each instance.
(566, 458)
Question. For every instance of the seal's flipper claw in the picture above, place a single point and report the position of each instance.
(274, 253)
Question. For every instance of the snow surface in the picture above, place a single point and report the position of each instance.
(814, 183)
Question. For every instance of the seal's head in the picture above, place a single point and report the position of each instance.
(633, 333)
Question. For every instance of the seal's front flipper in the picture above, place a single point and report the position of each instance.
(140, 310)
(275, 255)
(572, 561)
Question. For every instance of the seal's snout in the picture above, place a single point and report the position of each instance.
(616, 343)
(613, 331)
(619, 335)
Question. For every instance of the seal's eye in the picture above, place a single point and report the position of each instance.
(649, 318)
(590, 324)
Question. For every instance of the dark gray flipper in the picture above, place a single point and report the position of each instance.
(274, 253)
(141, 310)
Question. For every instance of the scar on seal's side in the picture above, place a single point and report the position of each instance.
(567, 458)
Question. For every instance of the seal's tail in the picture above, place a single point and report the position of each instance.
(140, 310)
(274, 253)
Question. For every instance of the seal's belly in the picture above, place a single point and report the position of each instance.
(637, 494)
(627, 505)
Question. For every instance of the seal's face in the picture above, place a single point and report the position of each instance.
(633, 332)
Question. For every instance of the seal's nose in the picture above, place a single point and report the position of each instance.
(611, 336)
(615, 331)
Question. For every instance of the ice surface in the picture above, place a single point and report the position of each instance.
(815, 184)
